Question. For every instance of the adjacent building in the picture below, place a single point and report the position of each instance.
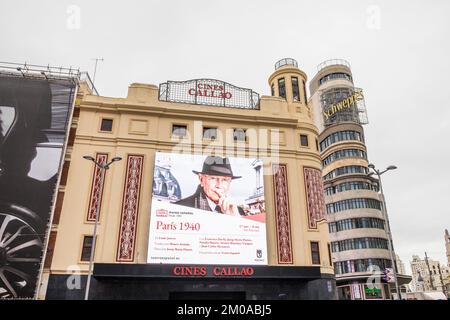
(359, 241)
(400, 265)
(447, 246)
(428, 275)
(160, 233)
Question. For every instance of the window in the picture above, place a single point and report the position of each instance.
(332, 227)
(106, 125)
(346, 170)
(282, 88)
(345, 153)
(329, 254)
(356, 223)
(354, 185)
(359, 243)
(350, 204)
(335, 75)
(86, 250)
(315, 254)
(303, 140)
(304, 91)
(239, 135)
(340, 136)
(209, 133)
(360, 265)
(295, 89)
(179, 130)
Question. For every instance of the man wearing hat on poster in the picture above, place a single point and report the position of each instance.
(212, 192)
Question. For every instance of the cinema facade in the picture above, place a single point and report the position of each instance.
(218, 194)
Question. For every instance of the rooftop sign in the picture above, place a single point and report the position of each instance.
(208, 92)
(348, 102)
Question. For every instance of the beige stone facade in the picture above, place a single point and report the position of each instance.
(142, 124)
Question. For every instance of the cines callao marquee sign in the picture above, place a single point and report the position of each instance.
(208, 92)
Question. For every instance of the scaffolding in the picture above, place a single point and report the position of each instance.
(47, 72)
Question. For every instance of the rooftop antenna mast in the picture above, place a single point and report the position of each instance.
(95, 68)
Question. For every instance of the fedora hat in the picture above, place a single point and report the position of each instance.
(217, 166)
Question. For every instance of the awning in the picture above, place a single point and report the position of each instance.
(435, 295)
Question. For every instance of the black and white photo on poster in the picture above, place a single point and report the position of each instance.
(34, 116)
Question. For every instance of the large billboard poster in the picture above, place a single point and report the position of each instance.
(34, 117)
(207, 210)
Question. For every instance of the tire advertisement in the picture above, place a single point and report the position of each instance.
(34, 121)
(207, 210)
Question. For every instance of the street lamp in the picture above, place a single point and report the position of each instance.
(103, 167)
(420, 282)
(386, 218)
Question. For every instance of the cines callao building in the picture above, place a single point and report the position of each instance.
(190, 189)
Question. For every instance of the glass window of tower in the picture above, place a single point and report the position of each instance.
(295, 89)
(282, 87)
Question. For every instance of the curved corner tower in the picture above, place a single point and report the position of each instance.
(358, 235)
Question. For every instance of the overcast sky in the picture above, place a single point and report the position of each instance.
(399, 52)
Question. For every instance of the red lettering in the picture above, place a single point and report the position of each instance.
(177, 271)
(233, 271)
(199, 271)
(216, 271)
(189, 271)
(212, 91)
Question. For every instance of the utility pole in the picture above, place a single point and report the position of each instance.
(429, 272)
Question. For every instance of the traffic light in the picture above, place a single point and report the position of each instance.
(388, 275)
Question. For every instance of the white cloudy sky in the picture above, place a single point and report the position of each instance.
(399, 52)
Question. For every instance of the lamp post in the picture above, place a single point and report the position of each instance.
(103, 167)
(388, 228)
(420, 282)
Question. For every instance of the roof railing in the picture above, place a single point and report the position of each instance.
(286, 61)
(333, 62)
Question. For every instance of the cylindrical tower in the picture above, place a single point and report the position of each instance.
(359, 241)
(288, 82)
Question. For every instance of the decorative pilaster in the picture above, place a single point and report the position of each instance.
(96, 196)
(283, 224)
(130, 209)
(314, 196)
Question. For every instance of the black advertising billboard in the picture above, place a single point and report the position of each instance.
(34, 121)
